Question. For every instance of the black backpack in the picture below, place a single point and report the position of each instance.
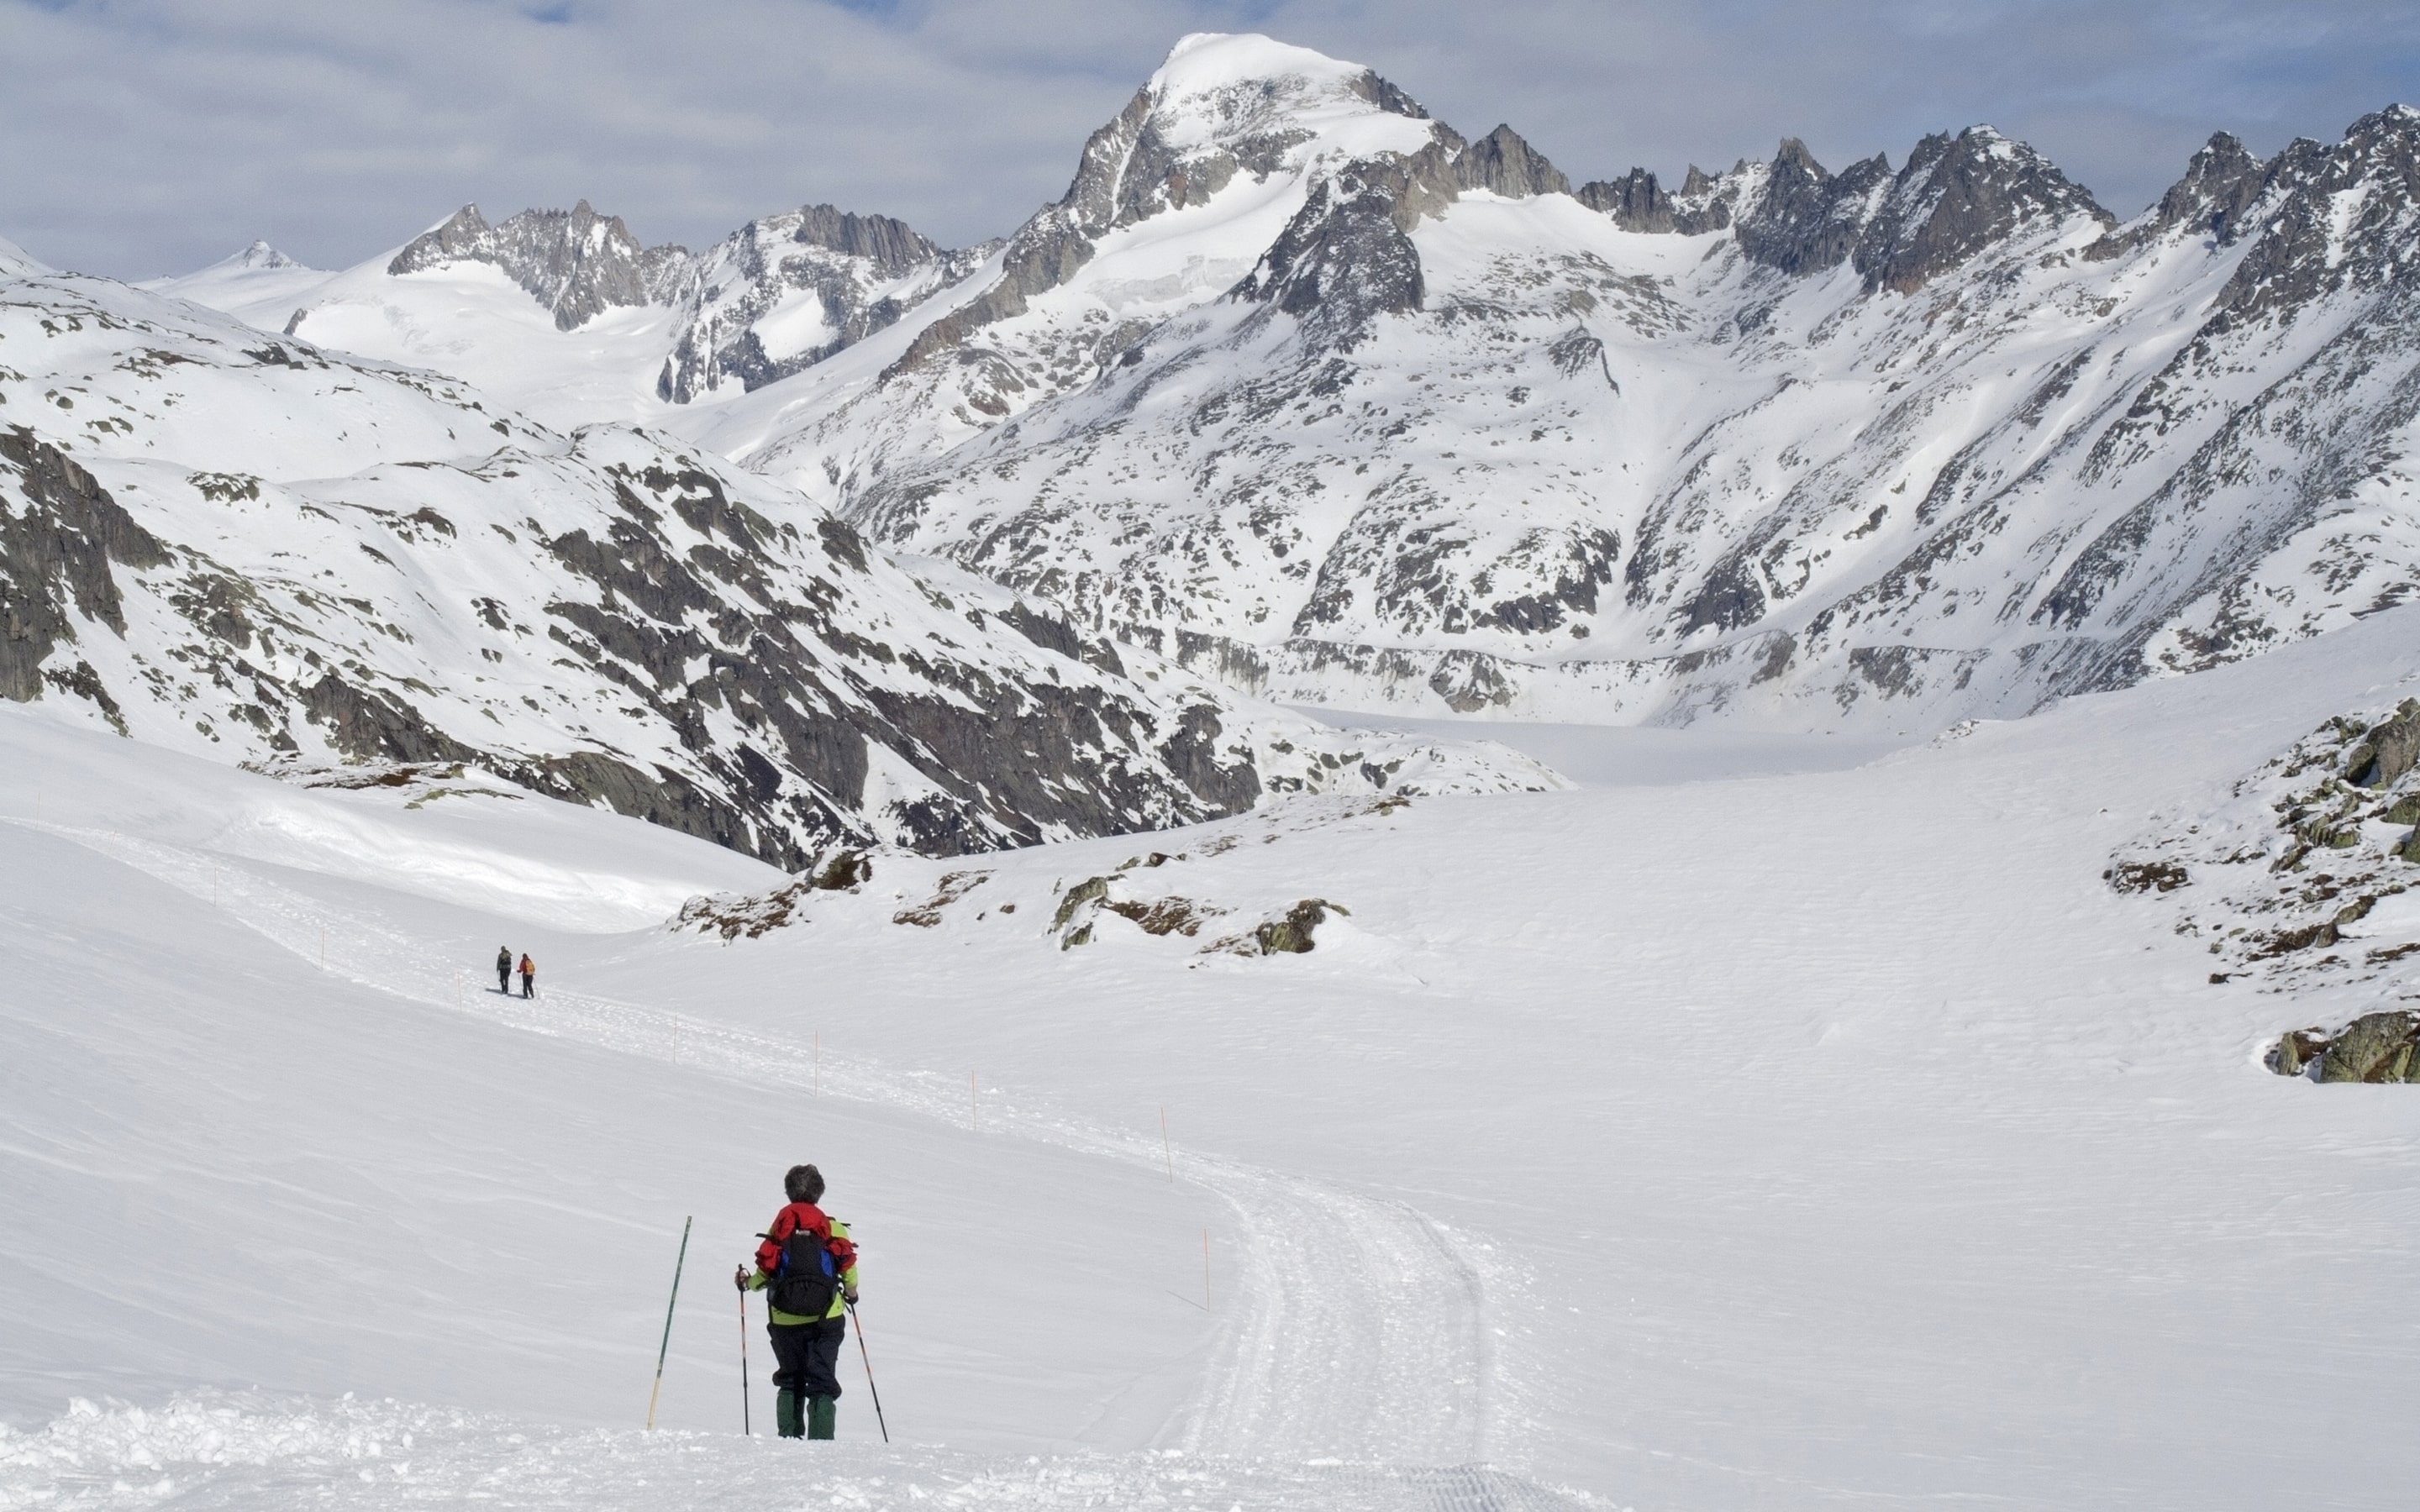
(804, 1284)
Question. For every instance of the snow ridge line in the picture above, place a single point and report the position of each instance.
(1360, 1325)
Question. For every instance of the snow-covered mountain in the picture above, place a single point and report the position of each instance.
(1306, 389)
(253, 547)
(565, 316)
(1322, 398)
(260, 285)
(1315, 397)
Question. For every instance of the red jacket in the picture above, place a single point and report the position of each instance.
(789, 1221)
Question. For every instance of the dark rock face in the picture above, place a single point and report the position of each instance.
(1959, 197)
(1502, 164)
(892, 247)
(2220, 184)
(1386, 97)
(2300, 251)
(56, 553)
(576, 263)
(1807, 220)
(1342, 261)
(1637, 203)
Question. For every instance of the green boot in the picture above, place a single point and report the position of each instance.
(820, 1416)
(787, 1419)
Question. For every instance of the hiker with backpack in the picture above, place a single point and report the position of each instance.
(529, 976)
(807, 1268)
(504, 970)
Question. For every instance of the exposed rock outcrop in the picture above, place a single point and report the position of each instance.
(576, 263)
(2375, 1047)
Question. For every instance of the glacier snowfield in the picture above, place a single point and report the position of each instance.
(1829, 1137)
(1777, 1103)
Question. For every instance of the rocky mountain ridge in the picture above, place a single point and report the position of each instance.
(253, 548)
(1306, 390)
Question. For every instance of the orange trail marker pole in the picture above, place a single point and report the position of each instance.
(1166, 1149)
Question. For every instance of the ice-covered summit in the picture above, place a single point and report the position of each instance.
(1249, 90)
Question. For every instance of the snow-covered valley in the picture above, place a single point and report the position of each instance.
(1408, 835)
(1781, 1140)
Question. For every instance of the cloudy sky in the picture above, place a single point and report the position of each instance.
(139, 137)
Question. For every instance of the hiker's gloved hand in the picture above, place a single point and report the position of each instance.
(740, 1277)
(848, 1295)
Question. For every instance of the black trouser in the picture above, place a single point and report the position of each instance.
(529, 985)
(806, 1356)
(504, 981)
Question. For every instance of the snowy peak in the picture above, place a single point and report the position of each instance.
(1222, 111)
(576, 263)
(16, 263)
(1234, 88)
(261, 254)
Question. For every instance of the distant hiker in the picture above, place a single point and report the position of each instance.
(529, 976)
(807, 1268)
(504, 971)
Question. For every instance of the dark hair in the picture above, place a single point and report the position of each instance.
(804, 1183)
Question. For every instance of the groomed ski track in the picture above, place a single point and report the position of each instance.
(1356, 1333)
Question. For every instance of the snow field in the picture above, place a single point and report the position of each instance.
(1797, 1140)
(1817, 1139)
(356, 1188)
(247, 1450)
(1306, 1295)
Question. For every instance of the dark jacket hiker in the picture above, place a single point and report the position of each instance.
(807, 1268)
(503, 970)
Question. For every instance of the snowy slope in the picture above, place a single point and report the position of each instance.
(1792, 1141)
(245, 545)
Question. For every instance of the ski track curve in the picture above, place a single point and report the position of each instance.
(1358, 1333)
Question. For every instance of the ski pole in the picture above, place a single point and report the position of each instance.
(661, 1349)
(744, 1430)
(870, 1386)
